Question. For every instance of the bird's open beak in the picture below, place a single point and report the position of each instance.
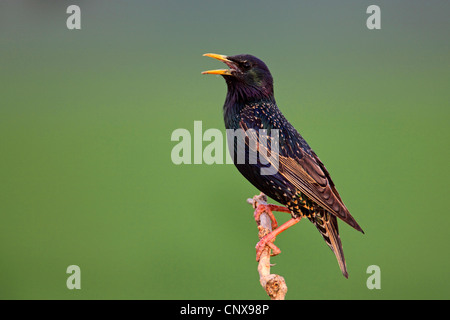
(222, 58)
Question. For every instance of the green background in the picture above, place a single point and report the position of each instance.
(86, 118)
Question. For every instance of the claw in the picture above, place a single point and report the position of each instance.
(268, 208)
(262, 208)
(268, 239)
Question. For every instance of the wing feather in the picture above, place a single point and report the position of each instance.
(307, 173)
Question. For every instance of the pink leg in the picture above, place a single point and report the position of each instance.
(268, 239)
(268, 208)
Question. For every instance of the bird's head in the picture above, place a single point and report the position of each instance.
(246, 73)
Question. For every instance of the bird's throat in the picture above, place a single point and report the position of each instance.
(239, 96)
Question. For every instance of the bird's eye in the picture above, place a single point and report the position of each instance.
(246, 65)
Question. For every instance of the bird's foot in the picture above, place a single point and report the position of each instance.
(268, 239)
(268, 208)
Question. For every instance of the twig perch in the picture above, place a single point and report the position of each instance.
(274, 284)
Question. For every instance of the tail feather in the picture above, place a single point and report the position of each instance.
(327, 225)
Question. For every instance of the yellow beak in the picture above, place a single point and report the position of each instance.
(219, 57)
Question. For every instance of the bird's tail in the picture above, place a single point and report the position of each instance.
(327, 225)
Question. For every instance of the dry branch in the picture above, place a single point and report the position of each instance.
(274, 284)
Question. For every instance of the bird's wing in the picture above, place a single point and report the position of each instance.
(308, 174)
(303, 170)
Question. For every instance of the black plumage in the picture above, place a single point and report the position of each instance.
(301, 183)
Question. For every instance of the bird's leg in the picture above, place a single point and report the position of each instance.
(269, 238)
(268, 208)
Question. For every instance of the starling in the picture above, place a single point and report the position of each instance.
(301, 182)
